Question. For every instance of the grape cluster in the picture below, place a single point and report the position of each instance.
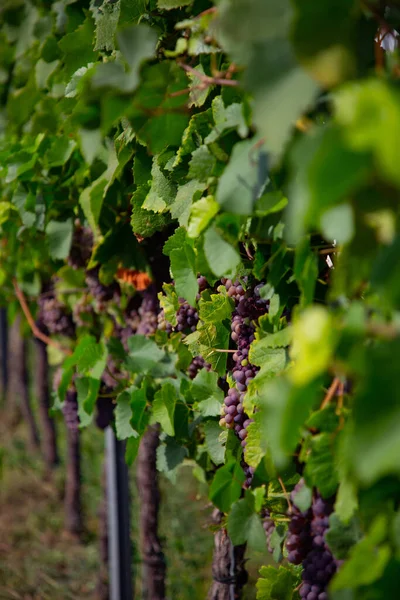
(187, 317)
(202, 283)
(81, 247)
(269, 527)
(148, 312)
(163, 324)
(100, 292)
(196, 365)
(306, 545)
(53, 315)
(248, 308)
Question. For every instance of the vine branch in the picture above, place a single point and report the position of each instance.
(206, 79)
(35, 329)
(330, 393)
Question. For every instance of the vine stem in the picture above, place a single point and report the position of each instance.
(286, 493)
(330, 393)
(206, 79)
(35, 330)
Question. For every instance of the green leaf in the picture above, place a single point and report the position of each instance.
(369, 114)
(215, 310)
(181, 206)
(183, 271)
(201, 165)
(143, 354)
(210, 340)
(132, 449)
(170, 455)
(90, 140)
(244, 179)
(305, 271)
(268, 351)
(163, 407)
(226, 486)
(137, 43)
(284, 410)
(372, 434)
(170, 4)
(131, 11)
(162, 192)
(201, 214)
(341, 537)
(59, 238)
(275, 584)
(139, 417)
(175, 241)
(367, 559)
(303, 498)
(144, 222)
(256, 446)
(123, 415)
(312, 345)
(215, 448)
(88, 389)
(226, 119)
(346, 499)
(222, 258)
(337, 223)
(91, 199)
(169, 302)
(60, 152)
(320, 471)
(208, 395)
(244, 524)
(77, 47)
(106, 26)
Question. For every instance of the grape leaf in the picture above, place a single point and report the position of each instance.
(123, 415)
(226, 486)
(201, 213)
(59, 237)
(183, 270)
(143, 355)
(275, 584)
(222, 258)
(244, 524)
(163, 407)
(181, 206)
(207, 394)
(215, 448)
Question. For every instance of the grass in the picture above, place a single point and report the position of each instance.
(39, 561)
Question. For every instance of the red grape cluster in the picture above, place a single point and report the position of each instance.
(269, 527)
(196, 365)
(148, 313)
(187, 317)
(306, 545)
(81, 246)
(54, 316)
(248, 308)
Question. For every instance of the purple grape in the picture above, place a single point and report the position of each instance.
(54, 316)
(306, 545)
(100, 292)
